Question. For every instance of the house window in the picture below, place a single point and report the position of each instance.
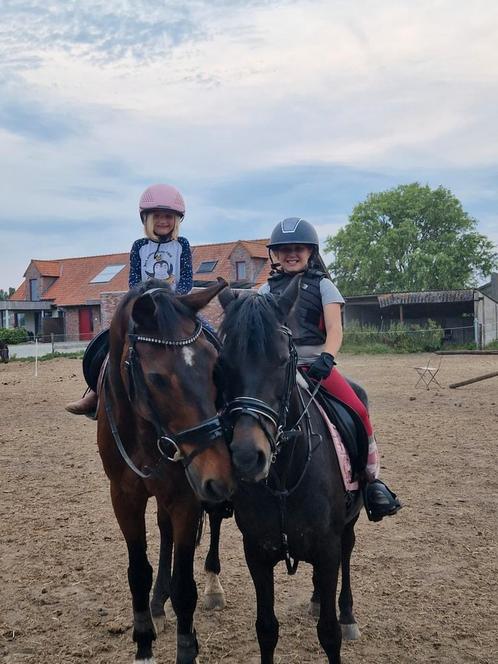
(240, 270)
(34, 294)
(107, 274)
(206, 266)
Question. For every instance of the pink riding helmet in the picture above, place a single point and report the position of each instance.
(161, 197)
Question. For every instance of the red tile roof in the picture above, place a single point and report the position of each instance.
(72, 286)
(221, 252)
(48, 268)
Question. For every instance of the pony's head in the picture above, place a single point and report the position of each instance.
(256, 371)
(166, 369)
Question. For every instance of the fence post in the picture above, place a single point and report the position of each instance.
(52, 338)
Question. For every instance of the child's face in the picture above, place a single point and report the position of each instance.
(164, 222)
(293, 257)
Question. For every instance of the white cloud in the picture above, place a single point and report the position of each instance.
(217, 91)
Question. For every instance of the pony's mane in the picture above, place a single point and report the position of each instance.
(169, 309)
(249, 326)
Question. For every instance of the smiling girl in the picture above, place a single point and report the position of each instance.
(316, 325)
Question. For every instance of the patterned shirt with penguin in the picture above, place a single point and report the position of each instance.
(170, 261)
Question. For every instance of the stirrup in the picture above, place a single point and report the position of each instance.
(379, 500)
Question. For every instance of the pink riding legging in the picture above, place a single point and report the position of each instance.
(339, 387)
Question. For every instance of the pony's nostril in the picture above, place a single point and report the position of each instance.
(261, 462)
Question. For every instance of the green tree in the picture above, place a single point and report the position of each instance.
(409, 238)
(4, 295)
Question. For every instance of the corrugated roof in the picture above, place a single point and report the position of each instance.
(425, 297)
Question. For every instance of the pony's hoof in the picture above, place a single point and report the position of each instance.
(214, 601)
(350, 632)
(149, 660)
(159, 623)
(314, 609)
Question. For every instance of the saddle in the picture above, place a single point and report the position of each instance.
(348, 424)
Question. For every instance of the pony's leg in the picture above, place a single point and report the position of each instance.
(214, 595)
(162, 586)
(183, 588)
(130, 513)
(349, 626)
(326, 572)
(266, 620)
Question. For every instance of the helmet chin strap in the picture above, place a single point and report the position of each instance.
(274, 266)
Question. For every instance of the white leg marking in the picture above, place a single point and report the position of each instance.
(149, 660)
(188, 356)
(350, 632)
(214, 595)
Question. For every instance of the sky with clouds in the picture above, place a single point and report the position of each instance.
(256, 110)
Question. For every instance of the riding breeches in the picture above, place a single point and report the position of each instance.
(339, 387)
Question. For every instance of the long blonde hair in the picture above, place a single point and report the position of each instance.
(149, 228)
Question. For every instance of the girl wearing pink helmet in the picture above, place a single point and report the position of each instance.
(162, 254)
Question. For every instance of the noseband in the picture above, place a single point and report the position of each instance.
(203, 435)
(262, 412)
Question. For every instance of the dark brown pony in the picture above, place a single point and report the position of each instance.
(158, 435)
(4, 352)
(290, 503)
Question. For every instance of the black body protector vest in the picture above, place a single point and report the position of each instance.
(307, 322)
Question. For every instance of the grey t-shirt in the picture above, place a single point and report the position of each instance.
(330, 295)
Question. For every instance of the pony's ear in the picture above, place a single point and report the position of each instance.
(198, 300)
(288, 299)
(144, 310)
(226, 297)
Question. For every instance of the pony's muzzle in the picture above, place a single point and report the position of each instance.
(250, 458)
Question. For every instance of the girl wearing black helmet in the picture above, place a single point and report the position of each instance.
(316, 325)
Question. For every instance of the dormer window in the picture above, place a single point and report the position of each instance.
(34, 293)
(240, 270)
(107, 274)
(206, 266)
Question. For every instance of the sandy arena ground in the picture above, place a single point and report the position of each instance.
(425, 582)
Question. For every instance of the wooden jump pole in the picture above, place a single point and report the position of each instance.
(475, 380)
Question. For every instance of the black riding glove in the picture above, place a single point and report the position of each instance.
(321, 367)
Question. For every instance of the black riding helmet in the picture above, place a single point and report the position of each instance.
(293, 230)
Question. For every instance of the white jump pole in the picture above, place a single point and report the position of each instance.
(36, 357)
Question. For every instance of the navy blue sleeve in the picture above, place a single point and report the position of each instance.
(135, 276)
(185, 281)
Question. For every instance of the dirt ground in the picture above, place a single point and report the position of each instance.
(425, 582)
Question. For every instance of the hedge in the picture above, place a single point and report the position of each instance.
(398, 338)
(13, 335)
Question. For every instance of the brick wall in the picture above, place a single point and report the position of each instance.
(71, 322)
(108, 303)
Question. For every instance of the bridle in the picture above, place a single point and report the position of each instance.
(262, 412)
(169, 444)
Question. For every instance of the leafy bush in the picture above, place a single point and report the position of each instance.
(493, 345)
(399, 338)
(13, 335)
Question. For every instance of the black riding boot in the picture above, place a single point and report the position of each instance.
(379, 500)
